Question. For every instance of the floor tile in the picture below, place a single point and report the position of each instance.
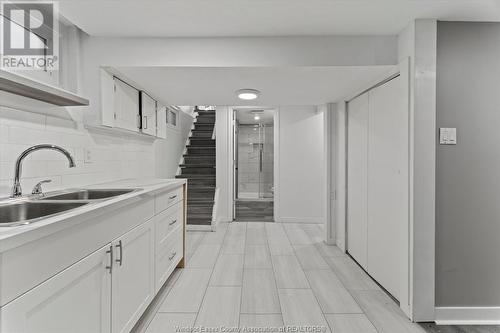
(228, 270)
(205, 256)
(300, 308)
(297, 235)
(234, 242)
(330, 293)
(215, 237)
(309, 257)
(170, 322)
(272, 321)
(221, 307)
(288, 272)
(350, 323)
(258, 256)
(259, 294)
(383, 312)
(256, 234)
(351, 275)
(187, 293)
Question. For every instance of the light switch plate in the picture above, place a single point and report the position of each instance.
(447, 136)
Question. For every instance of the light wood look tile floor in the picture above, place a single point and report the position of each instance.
(268, 275)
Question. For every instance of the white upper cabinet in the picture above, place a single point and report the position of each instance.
(126, 106)
(161, 121)
(148, 114)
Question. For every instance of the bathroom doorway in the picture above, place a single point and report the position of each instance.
(254, 165)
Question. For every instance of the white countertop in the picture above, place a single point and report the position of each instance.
(11, 237)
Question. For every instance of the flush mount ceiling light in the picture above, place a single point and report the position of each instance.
(247, 94)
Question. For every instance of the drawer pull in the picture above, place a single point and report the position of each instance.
(172, 197)
(172, 256)
(110, 251)
(173, 222)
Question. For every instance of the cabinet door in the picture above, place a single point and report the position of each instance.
(148, 113)
(126, 104)
(133, 276)
(161, 122)
(76, 300)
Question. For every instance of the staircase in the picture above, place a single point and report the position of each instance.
(199, 170)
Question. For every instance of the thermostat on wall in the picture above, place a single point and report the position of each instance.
(447, 136)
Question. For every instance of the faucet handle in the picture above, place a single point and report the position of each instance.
(38, 187)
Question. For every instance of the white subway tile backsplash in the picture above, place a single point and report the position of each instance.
(113, 157)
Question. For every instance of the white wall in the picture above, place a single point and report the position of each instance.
(300, 192)
(168, 151)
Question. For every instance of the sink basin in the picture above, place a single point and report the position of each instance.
(24, 212)
(95, 194)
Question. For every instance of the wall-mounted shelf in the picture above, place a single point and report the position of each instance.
(23, 86)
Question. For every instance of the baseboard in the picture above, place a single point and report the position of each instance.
(193, 227)
(467, 315)
(315, 220)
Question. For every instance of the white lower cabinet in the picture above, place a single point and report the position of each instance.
(77, 299)
(108, 290)
(132, 276)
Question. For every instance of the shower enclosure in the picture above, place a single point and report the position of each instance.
(254, 165)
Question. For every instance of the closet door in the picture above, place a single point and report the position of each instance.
(387, 183)
(357, 164)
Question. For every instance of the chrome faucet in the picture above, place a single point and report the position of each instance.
(16, 188)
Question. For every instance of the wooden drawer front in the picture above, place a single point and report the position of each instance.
(165, 200)
(168, 254)
(167, 221)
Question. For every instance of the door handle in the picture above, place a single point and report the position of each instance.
(119, 246)
(110, 251)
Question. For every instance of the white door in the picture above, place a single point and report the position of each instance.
(148, 113)
(161, 121)
(76, 300)
(357, 157)
(133, 276)
(126, 104)
(388, 184)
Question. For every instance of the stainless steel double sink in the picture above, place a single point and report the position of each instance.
(14, 212)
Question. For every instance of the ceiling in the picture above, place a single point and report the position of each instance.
(278, 85)
(246, 116)
(217, 18)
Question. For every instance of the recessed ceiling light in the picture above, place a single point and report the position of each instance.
(256, 117)
(247, 94)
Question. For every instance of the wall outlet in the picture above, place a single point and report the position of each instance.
(87, 156)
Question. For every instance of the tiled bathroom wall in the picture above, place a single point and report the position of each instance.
(251, 182)
(110, 157)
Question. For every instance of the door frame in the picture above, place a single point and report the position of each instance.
(231, 176)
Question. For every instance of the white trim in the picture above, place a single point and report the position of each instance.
(467, 315)
(276, 170)
(341, 176)
(194, 227)
(312, 220)
(330, 222)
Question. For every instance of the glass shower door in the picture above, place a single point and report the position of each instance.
(255, 161)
